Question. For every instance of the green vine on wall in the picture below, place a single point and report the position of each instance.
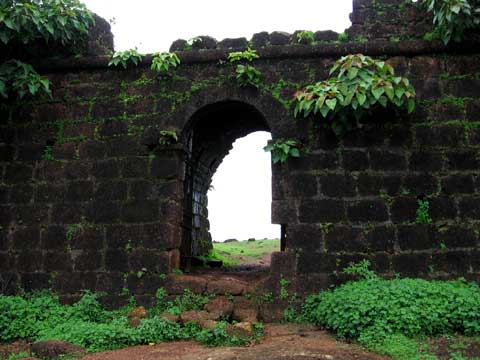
(361, 86)
(246, 74)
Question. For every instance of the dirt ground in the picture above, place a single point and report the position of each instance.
(281, 341)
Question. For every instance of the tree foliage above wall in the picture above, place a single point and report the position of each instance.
(24, 23)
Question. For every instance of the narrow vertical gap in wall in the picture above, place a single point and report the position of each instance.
(239, 205)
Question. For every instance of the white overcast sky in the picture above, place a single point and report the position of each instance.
(239, 205)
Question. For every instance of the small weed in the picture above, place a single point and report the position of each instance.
(124, 57)
(423, 215)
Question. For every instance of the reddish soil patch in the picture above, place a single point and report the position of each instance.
(14, 348)
(444, 347)
(281, 341)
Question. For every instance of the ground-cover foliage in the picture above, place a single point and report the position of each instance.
(88, 324)
(393, 314)
(243, 252)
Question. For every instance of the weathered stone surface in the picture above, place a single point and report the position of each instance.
(169, 316)
(245, 315)
(136, 315)
(207, 324)
(52, 349)
(227, 286)
(195, 316)
(177, 283)
(241, 329)
(219, 307)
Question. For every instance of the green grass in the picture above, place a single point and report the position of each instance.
(244, 252)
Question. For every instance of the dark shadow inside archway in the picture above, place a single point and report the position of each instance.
(209, 137)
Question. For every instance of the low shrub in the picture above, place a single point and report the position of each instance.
(378, 308)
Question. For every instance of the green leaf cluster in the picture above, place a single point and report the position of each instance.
(306, 37)
(247, 55)
(124, 57)
(27, 21)
(247, 75)
(162, 62)
(357, 86)
(410, 307)
(452, 18)
(423, 212)
(282, 149)
(21, 79)
(168, 137)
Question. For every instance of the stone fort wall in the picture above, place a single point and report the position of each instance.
(90, 199)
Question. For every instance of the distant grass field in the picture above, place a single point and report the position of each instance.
(245, 252)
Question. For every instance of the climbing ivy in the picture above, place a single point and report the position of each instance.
(361, 85)
(453, 17)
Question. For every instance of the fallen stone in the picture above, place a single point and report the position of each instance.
(52, 349)
(227, 286)
(195, 316)
(219, 307)
(241, 329)
(136, 315)
(169, 316)
(207, 324)
(230, 240)
(245, 315)
(176, 284)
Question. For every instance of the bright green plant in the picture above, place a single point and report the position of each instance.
(21, 79)
(423, 212)
(412, 307)
(305, 37)
(452, 18)
(124, 57)
(343, 37)
(21, 355)
(162, 62)
(247, 75)
(284, 288)
(361, 85)
(282, 150)
(247, 55)
(168, 137)
(48, 154)
(361, 269)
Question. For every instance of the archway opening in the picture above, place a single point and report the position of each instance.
(239, 205)
(209, 137)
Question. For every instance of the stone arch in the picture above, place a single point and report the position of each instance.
(208, 136)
